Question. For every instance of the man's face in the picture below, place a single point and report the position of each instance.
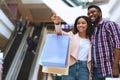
(94, 15)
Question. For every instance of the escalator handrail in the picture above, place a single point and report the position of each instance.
(35, 65)
(13, 69)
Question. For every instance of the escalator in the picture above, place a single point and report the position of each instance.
(11, 54)
(28, 59)
(26, 66)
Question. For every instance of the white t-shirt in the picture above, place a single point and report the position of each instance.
(84, 49)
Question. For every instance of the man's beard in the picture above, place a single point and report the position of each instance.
(96, 21)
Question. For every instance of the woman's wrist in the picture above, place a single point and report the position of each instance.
(57, 23)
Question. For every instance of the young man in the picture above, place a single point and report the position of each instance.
(105, 45)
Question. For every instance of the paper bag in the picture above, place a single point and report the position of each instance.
(56, 70)
(55, 51)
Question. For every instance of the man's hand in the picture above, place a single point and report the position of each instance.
(115, 72)
(115, 66)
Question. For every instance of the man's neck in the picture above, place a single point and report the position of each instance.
(97, 22)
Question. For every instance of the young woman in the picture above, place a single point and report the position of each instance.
(80, 56)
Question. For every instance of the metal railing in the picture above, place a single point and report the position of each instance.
(17, 61)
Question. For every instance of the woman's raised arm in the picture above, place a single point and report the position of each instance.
(57, 21)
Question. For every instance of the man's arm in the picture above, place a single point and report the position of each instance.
(115, 67)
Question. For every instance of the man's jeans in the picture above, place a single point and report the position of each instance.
(77, 71)
(95, 75)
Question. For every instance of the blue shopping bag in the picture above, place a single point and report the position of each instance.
(55, 51)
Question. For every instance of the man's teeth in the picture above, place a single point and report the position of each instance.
(92, 18)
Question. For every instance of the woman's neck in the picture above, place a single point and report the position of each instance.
(82, 35)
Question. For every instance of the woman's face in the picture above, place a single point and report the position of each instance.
(82, 25)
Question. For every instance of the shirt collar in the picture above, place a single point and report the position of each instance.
(100, 23)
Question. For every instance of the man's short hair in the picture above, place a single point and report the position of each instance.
(94, 6)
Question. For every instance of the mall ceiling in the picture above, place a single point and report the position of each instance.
(35, 10)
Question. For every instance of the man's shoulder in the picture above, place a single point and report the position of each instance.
(108, 21)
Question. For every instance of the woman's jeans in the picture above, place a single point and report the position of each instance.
(77, 71)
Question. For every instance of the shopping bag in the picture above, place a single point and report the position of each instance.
(112, 79)
(1, 57)
(55, 51)
(58, 70)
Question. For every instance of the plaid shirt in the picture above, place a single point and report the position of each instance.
(106, 37)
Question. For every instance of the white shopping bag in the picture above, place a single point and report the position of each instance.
(112, 78)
